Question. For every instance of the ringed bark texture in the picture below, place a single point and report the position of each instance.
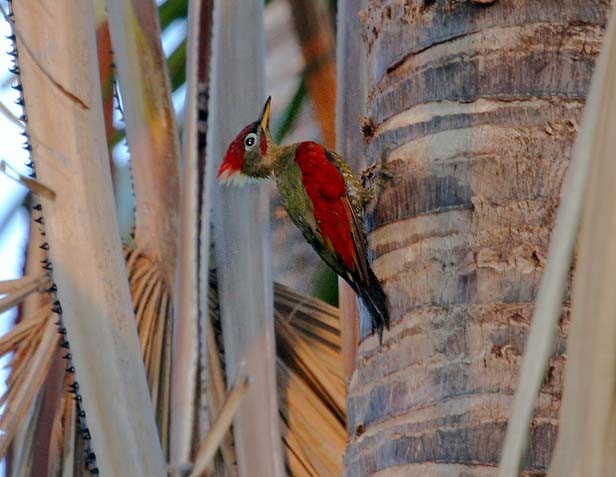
(480, 103)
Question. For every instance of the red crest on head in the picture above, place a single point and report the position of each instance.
(233, 161)
(232, 167)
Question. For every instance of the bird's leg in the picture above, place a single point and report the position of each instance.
(376, 177)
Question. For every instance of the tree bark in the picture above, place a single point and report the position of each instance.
(479, 102)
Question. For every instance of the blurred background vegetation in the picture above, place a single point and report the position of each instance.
(294, 119)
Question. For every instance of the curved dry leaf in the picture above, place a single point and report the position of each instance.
(20, 395)
(152, 302)
(18, 290)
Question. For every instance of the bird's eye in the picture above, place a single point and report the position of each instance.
(249, 141)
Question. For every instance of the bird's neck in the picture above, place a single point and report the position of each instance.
(283, 156)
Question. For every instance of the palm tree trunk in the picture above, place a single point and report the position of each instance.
(479, 103)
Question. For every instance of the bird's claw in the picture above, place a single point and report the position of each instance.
(385, 175)
(376, 177)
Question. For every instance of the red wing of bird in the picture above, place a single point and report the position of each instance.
(325, 187)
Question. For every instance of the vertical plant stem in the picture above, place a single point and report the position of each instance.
(241, 230)
(186, 344)
(105, 67)
(150, 128)
(58, 61)
(587, 438)
(207, 409)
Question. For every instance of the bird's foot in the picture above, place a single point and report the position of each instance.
(376, 177)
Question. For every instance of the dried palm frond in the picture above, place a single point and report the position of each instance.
(317, 322)
(29, 366)
(153, 307)
(310, 380)
(34, 341)
(17, 290)
(155, 156)
(216, 389)
(311, 389)
(23, 344)
(82, 231)
(310, 376)
(219, 428)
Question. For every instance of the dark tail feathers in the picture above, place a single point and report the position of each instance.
(375, 300)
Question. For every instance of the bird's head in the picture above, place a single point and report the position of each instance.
(249, 157)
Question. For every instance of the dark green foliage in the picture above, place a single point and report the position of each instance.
(172, 10)
(176, 62)
(326, 285)
(169, 12)
(291, 112)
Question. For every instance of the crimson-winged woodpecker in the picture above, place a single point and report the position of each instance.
(323, 199)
